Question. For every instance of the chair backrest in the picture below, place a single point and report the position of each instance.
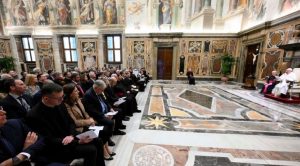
(297, 73)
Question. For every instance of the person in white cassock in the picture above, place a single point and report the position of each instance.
(286, 78)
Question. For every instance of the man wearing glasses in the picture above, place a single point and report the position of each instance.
(50, 118)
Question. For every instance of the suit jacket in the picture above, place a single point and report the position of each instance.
(110, 94)
(14, 110)
(93, 106)
(79, 115)
(15, 132)
(52, 123)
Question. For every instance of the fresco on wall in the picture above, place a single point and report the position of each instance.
(219, 46)
(232, 46)
(63, 12)
(205, 65)
(257, 10)
(135, 14)
(18, 12)
(216, 65)
(41, 12)
(194, 47)
(165, 11)
(89, 54)
(271, 62)
(109, 12)
(45, 54)
(194, 64)
(86, 14)
(4, 48)
(287, 5)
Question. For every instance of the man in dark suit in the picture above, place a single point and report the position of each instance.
(97, 108)
(16, 103)
(51, 119)
(18, 144)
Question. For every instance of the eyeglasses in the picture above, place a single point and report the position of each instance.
(56, 98)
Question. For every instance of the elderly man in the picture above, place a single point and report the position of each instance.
(285, 79)
(97, 107)
(270, 83)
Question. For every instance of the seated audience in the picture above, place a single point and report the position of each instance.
(270, 83)
(16, 103)
(50, 118)
(81, 118)
(31, 84)
(286, 80)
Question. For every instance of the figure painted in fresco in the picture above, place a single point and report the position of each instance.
(63, 12)
(204, 64)
(286, 5)
(19, 13)
(259, 9)
(41, 13)
(165, 11)
(110, 12)
(86, 12)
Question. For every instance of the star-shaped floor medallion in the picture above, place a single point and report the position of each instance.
(156, 122)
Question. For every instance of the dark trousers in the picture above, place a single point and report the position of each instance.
(92, 153)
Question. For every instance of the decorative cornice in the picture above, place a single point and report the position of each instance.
(269, 24)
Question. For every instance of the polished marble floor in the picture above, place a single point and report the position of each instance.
(209, 123)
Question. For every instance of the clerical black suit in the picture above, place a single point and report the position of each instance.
(14, 132)
(13, 108)
(55, 124)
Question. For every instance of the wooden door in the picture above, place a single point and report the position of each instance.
(251, 60)
(164, 63)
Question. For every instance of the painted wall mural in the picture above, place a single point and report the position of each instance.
(86, 14)
(89, 53)
(219, 46)
(109, 12)
(139, 54)
(165, 11)
(142, 15)
(4, 48)
(63, 12)
(45, 54)
(271, 62)
(41, 11)
(135, 15)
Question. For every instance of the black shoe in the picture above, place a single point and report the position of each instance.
(108, 158)
(138, 111)
(119, 132)
(122, 127)
(126, 118)
(112, 154)
(111, 143)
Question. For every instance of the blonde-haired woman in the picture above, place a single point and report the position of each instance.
(31, 83)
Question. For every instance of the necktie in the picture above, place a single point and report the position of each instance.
(7, 145)
(103, 105)
(23, 103)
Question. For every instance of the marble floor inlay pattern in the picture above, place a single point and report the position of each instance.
(208, 124)
(212, 109)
